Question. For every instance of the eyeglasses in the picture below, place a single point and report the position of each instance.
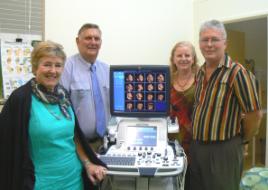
(211, 40)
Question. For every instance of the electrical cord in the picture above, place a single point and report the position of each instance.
(149, 183)
(178, 151)
(181, 178)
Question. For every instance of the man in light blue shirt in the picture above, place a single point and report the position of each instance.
(76, 78)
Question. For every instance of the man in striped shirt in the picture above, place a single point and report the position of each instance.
(227, 112)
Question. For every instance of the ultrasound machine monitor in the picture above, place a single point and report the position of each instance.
(140, 134)
(139, 91)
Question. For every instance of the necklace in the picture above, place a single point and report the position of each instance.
(185, 82)
(57, 116)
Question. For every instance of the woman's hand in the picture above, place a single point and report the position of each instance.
(95, 173)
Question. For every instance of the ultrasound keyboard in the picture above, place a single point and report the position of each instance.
(118, 160)
(142, 161)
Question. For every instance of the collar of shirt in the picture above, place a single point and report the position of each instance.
(88, 65)
(226, 62)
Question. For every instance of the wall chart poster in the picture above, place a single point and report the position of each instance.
(15, 65)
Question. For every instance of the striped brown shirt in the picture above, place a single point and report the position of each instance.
(219, 102)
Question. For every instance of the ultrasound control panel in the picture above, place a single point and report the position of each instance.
(142, 162)
(141, 149)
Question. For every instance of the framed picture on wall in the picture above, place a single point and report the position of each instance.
(16, 68)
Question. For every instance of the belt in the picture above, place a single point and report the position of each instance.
(217, 142)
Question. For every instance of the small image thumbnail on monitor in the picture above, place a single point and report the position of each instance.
(129, 106)
(139, 96)
(129, 96)
(160, 96)
(140, 106)
(150, 87)
(140, 77)
(160, 87)
(129, 77)
(160, 77)
(139, 87)
(150, 77)
(150, 106)
(149, 96)
(129, 87)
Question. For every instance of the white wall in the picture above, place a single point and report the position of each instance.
(134, 31)
(226, 11)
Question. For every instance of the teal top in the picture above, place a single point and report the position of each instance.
(52, 148)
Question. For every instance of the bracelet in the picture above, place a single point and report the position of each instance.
(86, 162)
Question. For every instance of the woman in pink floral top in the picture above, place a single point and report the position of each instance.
(183, 66)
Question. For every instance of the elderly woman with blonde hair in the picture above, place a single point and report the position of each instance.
(42, 146)
(183, 66)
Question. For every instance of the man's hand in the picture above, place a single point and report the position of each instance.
(251, 124)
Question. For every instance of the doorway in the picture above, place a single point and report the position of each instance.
(247, 41)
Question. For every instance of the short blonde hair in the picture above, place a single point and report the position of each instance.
(46, 49)
(173, 68)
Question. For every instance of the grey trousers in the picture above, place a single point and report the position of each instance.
(216, 166)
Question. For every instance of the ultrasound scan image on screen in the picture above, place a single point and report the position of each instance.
(139, 91)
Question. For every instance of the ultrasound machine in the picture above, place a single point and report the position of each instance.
(137, 145)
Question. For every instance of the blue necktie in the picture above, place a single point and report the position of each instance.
(99, 106)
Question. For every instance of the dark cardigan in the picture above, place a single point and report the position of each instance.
(16, 167)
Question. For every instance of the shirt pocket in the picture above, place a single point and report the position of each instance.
(106, 90)
(80, 85)
(80, 93)
(106, 95)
